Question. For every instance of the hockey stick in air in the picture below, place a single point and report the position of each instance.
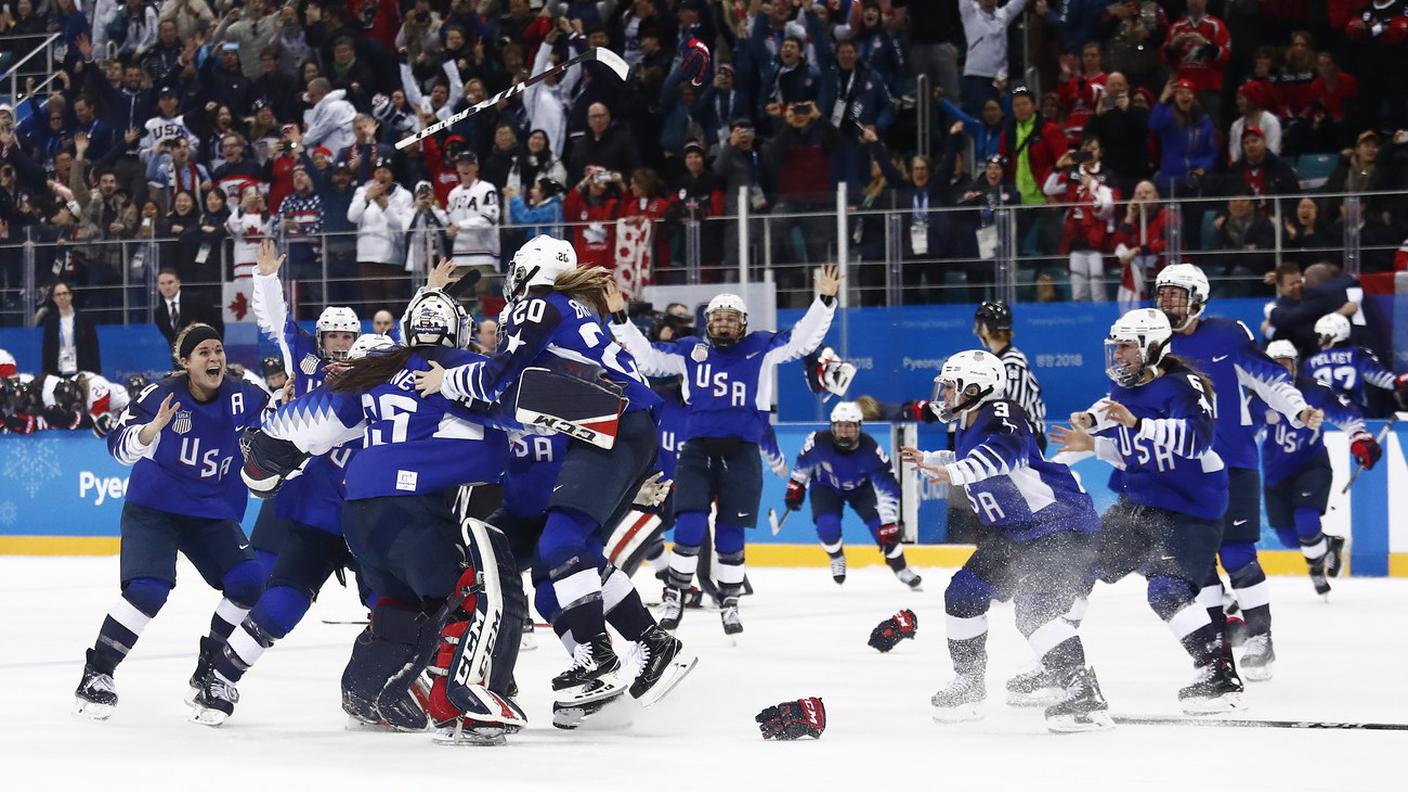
(1244, 723)
(1359, 466)
(598, 54)
(776, 524)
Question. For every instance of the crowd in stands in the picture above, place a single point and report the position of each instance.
(203, 126)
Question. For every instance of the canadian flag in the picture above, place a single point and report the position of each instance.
(633, 241)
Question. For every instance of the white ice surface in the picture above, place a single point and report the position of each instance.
(804, 636)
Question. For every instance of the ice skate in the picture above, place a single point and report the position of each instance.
(961, 700)
(1216, 688)
(1334, 555)
(96, 697)
(910, 578)
(470, 733)
(1318, 580)
(1258, 655)
(215, 701)
(1082, 708)
(205, 663)
(838, 568)
(528, 642)
(595, 674)
(1035, 687)
(728, 614)
(663, 664)
(671, 608)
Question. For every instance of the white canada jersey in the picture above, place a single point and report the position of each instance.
(159, 129)
(474, 210)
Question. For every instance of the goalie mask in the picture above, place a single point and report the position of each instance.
(337, 319)
(1181, 292)
(1331, 330)
(726, 320)
(967, 381)
(826, 372)
(846, 419)
(538, 263)
(433, 318)
(1137, 340)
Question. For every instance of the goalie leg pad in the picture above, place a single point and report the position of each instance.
(385, 650)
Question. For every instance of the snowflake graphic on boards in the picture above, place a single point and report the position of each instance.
(8, 513)
(31, 464)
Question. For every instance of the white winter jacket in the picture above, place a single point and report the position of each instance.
(987, 36)
(329, 123)
(381, 232)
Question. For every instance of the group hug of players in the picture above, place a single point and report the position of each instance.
(370, 454)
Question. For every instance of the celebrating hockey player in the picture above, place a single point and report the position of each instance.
(181, 437)
(1298, 475)
(728, 381)
(992, 324)
(555, 322)
(1041, 543)
(847, 467)
(1156, 428)
(1346, 368)
(1224, 351)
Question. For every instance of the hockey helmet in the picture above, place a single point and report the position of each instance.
(1143, 330)
(1194, 284)
(992, 315)
(726, 301)
(369, 343)
(8, 367)
(538, 263)
(1284, 353)
(336, 319)
(966, 381)
(846, 419)
(433, 318)
(1332, 329)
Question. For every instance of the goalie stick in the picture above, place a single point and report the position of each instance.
(1245, 723)
(598, 54)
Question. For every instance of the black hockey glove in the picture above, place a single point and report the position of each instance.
(792, 720)
(893, 630)
(102, 425)
(268, 462)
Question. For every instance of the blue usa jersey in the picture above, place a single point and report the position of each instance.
(315, 497)
(1010, 485)
(729, 390)
(192, 467)
(672, 417)
(533, 464)
(551, 331)
(1224, 351)
(1346, 370)
(302, 359)
(1286, 450)
(1168, 460)
(822, 464)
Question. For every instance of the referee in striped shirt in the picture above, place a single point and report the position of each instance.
(993, 325)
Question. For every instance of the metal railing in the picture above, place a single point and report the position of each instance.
(13, 74)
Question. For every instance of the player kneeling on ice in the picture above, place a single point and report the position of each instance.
(1156, 429)
(181, 437)
(1297, 471)
(846, 466)
(1038, 549)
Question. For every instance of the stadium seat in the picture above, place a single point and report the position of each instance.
(1315, 169)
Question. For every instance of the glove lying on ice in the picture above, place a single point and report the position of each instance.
(792, 720)
(893, 630)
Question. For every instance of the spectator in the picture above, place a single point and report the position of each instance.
(70, 339)
(591, 208)
(1077, 23)
(248, 225)
(488, 337)
(1378, 31)
(1123, 130)
(174, 311)
(190, 16)
(1188, 153)
(741, 167)
(98, 134)
(800, 156)
(329, 121)
(1134, 32)
(1080, 182)
(1260, 173)
(852, 91)
(1253, 102)
(108, 216)
(542, 210)
(1241, 232)
(163, 63)
(300, 217)
(383, 322)
(1289, 283)
(274, 88)
(348, 73)
(340, 234)
(1032, 145)
(1081, 93)
(1297, 73)
(1356, 171)
(986, 130)
(236, 171)
(473, 211)
(876, 46)
(699, 196)
(223, 80)
(935, 34)
(1198, 49)
(497, 166)
(1139, 244)
(644, 205)
(610, 147)
(251, 30)
(535, 160)
(426, 242)
(985, 26)
(546, 102)
(134, 30)
(717, 106)
(1306, 237)
(381, 209)
(365, 150)
(172, 170)
(1333, 89)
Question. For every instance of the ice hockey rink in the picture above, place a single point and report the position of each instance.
(1340, 661)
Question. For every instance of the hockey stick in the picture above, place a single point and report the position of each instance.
(598, 54)
(776, 524)
(1243, 723)
(1359, 466)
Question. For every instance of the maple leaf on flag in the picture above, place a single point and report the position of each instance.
(239, 306)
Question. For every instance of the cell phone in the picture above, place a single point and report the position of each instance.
(1081, 156)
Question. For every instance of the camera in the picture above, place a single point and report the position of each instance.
(601, 178)
(1081, 157)
(802, 108)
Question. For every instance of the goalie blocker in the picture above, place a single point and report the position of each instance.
(585, 410)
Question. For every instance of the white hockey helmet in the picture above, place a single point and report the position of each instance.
(1148, 330)
(726, 301)
(1331, 329)
(968, 380)
(538, 263)
(434, 318)
(1282, 350)
(336, 319)
(1193, 282)
(368, 343)
(846, 414)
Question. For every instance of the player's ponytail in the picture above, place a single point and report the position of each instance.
(1172, 364)
(366, 373)
(586, 285)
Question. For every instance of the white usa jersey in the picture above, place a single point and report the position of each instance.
(159, 129)
(474, 210)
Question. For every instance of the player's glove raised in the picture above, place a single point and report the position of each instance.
(893, 630)
(796, 492)
(792, 720)
(1366, 449)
